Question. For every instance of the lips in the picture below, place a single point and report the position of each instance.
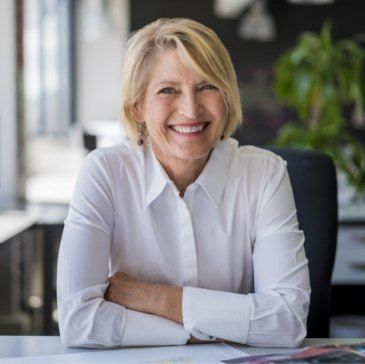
(189, 129)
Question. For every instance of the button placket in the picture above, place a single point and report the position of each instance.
(188, 245)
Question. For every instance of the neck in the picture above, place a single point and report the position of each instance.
(181, 171)
(184, 174)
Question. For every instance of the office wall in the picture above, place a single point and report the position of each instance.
(99, 56)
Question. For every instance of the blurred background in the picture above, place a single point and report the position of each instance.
(300, 65)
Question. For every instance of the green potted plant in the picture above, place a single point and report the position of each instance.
(322, 80)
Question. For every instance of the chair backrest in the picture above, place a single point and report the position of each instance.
(313, 178)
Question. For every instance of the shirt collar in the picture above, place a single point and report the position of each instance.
(214, 175)
(156, 177)
(212, 179)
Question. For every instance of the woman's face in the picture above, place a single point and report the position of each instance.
(184, 114)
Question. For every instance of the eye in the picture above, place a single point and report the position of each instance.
(167, 91)
(208, 87)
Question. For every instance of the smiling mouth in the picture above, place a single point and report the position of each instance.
(189, 129)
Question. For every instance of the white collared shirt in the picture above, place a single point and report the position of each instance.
(232, 242)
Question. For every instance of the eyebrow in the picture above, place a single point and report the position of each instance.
(164, 82)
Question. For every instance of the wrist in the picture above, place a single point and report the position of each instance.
(169, 302)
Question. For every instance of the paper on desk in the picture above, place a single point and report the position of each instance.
(185, 354)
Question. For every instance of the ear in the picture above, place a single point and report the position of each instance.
(136, 110)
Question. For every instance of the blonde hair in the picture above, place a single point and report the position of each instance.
(198, 47)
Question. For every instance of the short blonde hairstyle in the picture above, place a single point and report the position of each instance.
(198, 47)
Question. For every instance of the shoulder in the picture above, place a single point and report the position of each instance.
(251, 154)
(117, 156)
(254, 171)
(122, 150)
(251, 160)
(110, 169)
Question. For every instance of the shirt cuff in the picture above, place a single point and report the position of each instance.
(209, 314)
(143, 329)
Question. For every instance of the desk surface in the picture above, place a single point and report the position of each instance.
(14, 222)
(19, 346)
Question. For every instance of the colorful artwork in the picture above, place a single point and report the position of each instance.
(353, 353)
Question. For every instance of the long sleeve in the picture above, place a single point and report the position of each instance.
(275, 313)
(85, 318)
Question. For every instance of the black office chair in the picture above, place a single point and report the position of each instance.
(313, 178)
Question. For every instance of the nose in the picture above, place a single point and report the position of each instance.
(189, 105)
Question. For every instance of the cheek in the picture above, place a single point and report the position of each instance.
(222, 108)
(155, 129)
(217, 106)
(154, 116)
(157, 124)
(221, 113)
(158, 111)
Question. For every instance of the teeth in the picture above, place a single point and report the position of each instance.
(188, 129)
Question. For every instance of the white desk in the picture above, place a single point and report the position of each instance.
(26, 346)
(14, 222)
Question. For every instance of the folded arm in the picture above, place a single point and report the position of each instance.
(157, 299)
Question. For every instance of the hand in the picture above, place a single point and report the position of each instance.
(194, 340)
(127, 292)
(157, 299)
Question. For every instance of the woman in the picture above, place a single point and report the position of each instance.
(181, 236)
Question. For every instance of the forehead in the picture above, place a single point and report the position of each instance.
(168, 65)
